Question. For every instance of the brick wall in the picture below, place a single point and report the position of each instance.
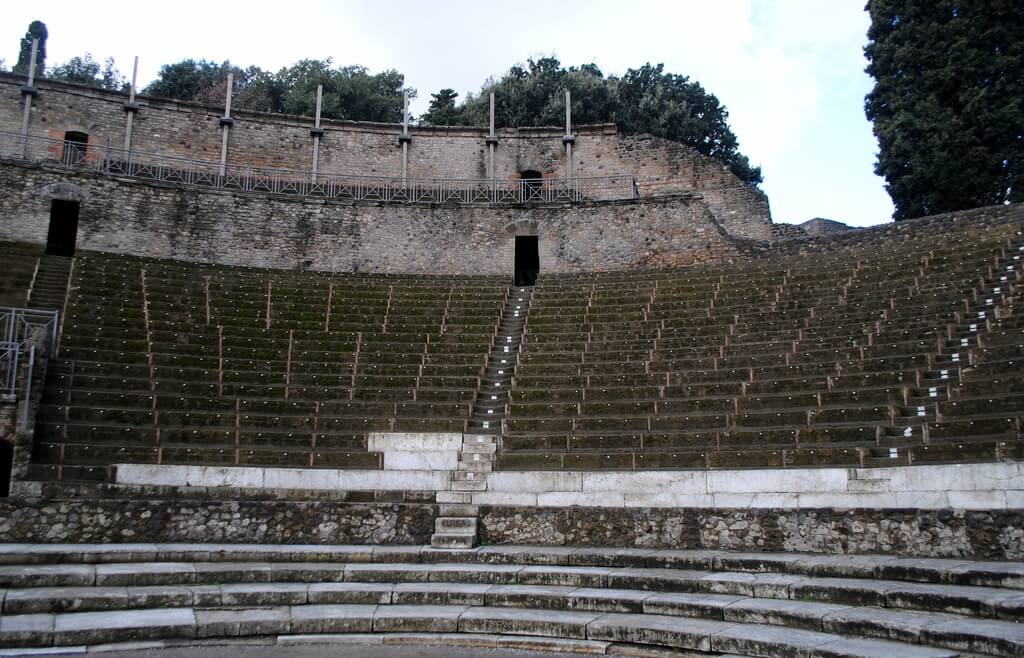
(193, 131)
(130, 217)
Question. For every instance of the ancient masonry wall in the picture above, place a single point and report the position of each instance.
(983, 534)
(257, 139)
(144, 219)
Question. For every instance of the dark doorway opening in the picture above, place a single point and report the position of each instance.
(75, 147)
(6, 466)
(532, 184)
(63, 232)
(527, 260)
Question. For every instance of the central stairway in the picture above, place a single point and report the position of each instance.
(456, 527)
(609, 601)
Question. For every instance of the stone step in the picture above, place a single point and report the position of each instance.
(453, 540)
(468, 485)
(455, 525)
(936, 571)
(976, 602)
(746, 637)
(477, 466)
(457, 509)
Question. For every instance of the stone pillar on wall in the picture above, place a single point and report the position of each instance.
(225, 125)
(568, 139)
(405, 137)
(28, 92)
(130, 108)
(317, 132)
(492, 143)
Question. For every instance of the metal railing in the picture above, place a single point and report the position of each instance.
(244, 178)
(20, 331)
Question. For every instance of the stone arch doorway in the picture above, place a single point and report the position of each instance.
(62, 234)
(527, 260)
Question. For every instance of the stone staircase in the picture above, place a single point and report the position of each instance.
(608, 601)
(456, 525)
(50, 286)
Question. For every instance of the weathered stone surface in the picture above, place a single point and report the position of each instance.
(677, 632)
(795, 614)
(232, 521)
(26, 630)
(361, 593)
(63, 599)
(241, 623)
(517, 621)
(977, 635)
(332, 618)
(683, 604)
(123, 626)
(263, 594)
(417, 619)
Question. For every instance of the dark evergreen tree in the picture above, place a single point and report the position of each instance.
(36, 30)
(948, 102)
(442, 111)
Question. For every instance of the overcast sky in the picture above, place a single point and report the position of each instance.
(790, 72)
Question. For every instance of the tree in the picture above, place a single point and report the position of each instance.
(948, 102)
(36, 30)
(87, 71)
(645, 100)
(441, 111)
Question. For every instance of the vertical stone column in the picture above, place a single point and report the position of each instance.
(492, 143)
(568, 140)
(405, 137)
(130, 108)
(316, 132)
(28, 92)
(225, 125)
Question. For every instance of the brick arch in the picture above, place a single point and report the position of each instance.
(62, 192)
(523, 227)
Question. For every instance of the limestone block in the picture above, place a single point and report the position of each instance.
(157, 475)
(535, 481)
(674, 482)
(227, 476)
(417, 618)
(577, 499)
(675, 632)
(64, 599)
(806, 480)
(393, 480)
(504, 499)
(242, 623)
(519, 621)
(980, 500)
(958, 477)
(26, 630)
(668, 499)
(332, 618)
(757, 500)
(263, 594)
(123, 626)
(421, 460)
(414, 441)
(300, 478)
(351, 593)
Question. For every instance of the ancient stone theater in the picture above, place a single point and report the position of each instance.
(296, 381)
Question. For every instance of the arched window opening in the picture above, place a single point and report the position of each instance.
(75, 148)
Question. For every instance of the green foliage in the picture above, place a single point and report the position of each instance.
(441, 111)
(350, 92)
(36, 30)
(645, 100)
(948, 102)
(87, 71)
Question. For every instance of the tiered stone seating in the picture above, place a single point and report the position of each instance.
(842, 357)
(611, 601)
(17, 265)
(174, 363)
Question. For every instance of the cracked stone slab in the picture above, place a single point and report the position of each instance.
(332, 618)
(263, 594)
(387, 573)
(145, 573)
(48, 575)
(242, 623)
(351, 593)
(851, 591)
(758, 640)
(989, 574)
(763, 585)
(805, 615)
(686, 604)
(523, 621)
(439, 593)
(232, 572)
(64, 599)
(527, 555)
(124, 626)
(839, 566)
(957, 599)
(26, 630)
(569, 576)
(656, 580)
(676, 632)
(417, 618)
(998, 638)
(307, 572)
(490, 574)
